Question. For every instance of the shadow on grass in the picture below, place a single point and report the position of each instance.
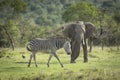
(12, 69)
(21, 62)
(55, 62)
(114, 51)
(93, 56)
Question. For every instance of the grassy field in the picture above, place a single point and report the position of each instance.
(102, 65)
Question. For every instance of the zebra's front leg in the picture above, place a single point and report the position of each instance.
(58, 59)
(30, 60)
(49, 59)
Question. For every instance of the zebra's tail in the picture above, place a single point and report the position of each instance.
(27, 47)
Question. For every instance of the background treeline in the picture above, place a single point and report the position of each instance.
(22, 20)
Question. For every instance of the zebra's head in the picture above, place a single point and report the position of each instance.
(67, 47)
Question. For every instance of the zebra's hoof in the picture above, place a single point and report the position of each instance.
(36, 65)
(28, 66)
(62, 66)
(47, 65)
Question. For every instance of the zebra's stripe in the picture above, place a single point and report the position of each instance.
(45, 45)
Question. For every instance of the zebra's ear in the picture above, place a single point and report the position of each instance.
(62, 28)
(68, 39)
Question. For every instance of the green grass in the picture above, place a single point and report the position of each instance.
(102, 65)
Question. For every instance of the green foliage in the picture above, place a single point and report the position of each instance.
(10, 29)
(19, 6)
(27, 19)
(13, 31)
(116, 17)
(45, 12)
(29, 30)
(3, 41)
(12, 8)
(80, 11)
(5, 53)
(111, 5)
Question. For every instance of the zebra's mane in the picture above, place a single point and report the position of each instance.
(59, 41)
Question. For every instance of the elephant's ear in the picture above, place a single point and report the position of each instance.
(90, 29)
(69, 30)
(81, 24)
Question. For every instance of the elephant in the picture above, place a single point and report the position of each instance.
(91, 33)
(78, 32)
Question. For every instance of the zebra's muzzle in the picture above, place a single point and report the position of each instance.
(68, 53)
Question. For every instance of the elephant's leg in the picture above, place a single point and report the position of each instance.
(73, 54)
(85, 52)
(75, 51)
(90, 43)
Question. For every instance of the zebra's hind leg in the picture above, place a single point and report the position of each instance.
(58, 59)
(34, 55)
(49, 59)
(30, 60)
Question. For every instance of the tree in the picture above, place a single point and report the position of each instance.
(82, 11)
(10, 13)
(116, 17)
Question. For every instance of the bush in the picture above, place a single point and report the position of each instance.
(2, 53)
(5, 53)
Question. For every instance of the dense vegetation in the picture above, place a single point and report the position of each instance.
(22, 20)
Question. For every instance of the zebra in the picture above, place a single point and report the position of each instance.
(50, 45)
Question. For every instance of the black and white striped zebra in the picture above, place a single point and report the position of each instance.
(47, 45)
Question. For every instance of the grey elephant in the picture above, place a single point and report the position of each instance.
(79, 32)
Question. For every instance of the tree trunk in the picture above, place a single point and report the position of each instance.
(117, 44)
(102, 45)
(118, 47)
(9, 37)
